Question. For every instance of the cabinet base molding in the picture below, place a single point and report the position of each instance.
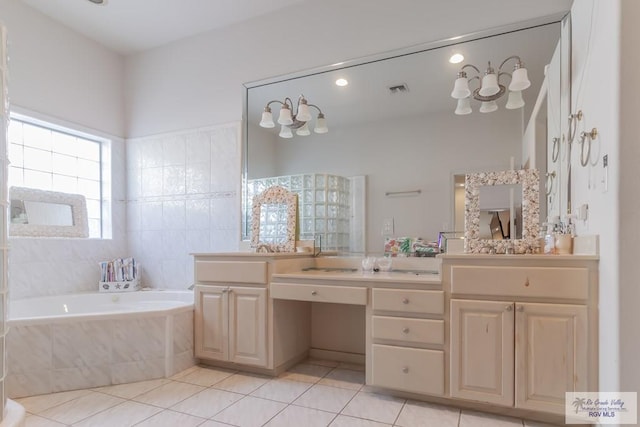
(473, 406)
(254, 369)
(338, 356)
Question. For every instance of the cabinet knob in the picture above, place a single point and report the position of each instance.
(526, 282)
(225, 290)
(521, 308)
(405, 300)
(405, 330)
(314, 293)
(405, 369)
(509, 307)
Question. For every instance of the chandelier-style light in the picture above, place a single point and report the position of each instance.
(490, 87)
(298, 121)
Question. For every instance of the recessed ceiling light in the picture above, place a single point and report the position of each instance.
(456, 58)
(342, 82)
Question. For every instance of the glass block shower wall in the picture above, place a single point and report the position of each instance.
(323, 206)
(4, 202)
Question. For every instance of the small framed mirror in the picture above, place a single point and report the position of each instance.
(40, 213)
(274, 220)
(508, 202)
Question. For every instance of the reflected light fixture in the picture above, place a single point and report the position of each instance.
(290, 120)
(490, 88)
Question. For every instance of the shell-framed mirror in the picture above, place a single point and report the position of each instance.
(518, 233)
(274, 220)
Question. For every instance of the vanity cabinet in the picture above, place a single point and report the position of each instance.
(231, 324)
(522, 335)
(522, 354)
(407, 337)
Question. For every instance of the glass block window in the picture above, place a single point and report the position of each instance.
(47, 157)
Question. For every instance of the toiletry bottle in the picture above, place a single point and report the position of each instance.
(549, 240)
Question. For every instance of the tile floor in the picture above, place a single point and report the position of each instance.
(313, 393)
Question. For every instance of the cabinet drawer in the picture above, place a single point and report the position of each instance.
(419, 331)
(231, 271)
(555, 282)
(319, 293)
(408, 369)
(408, 301)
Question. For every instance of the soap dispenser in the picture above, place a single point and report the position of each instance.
(549, 240)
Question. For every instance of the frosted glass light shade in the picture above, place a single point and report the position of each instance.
(303, 112)
(489, 85)
(285, 132)
(515, 100)
(461, 88)
(464, 107)
(267, 120)
(321, 124)
(519, 80)
(303, 130)
(285, 115)
(488, 107)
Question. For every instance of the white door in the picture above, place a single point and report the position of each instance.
(248, 326)
(551, 354)
(482, 351)
(211, 323)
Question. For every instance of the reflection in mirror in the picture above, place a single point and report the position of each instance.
(399, 140)
(501, 211)
(502, 194)
(274, 220)
(39, 213)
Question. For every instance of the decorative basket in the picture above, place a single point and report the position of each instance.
(128, 286)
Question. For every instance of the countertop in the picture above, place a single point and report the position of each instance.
(359, 276)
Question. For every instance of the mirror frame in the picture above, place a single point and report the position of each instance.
(78, 203)
(529, 179)
(279, 195)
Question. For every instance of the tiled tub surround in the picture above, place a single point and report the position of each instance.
(57, 353)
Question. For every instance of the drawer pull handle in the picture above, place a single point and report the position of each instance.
(405, 300)
(521, 308)
(526, 283)
(509, 308)
(405, 330)
(405, 369)
(314, 293)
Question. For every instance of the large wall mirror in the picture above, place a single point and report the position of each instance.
(393, 144)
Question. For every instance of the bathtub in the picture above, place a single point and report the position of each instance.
(68, 342)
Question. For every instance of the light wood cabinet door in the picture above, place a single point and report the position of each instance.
(248, 326)
(211, 323)
(551, 354)
(482, 351)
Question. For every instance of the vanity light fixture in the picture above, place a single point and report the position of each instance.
(490, 88)
(298, 121)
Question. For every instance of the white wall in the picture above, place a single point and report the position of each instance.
(57, 72)
(605, 88)
(629, 232)
(58, 75)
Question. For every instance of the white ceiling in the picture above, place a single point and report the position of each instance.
(128, 26)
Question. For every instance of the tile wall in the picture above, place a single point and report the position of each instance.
(183, 196)
(53, 357)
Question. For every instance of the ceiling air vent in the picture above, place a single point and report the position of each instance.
(401, 88)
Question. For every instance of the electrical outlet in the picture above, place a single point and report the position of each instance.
(387, 227)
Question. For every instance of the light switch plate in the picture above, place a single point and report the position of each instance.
(387, 227)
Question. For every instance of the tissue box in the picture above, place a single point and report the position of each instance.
(128, 286)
